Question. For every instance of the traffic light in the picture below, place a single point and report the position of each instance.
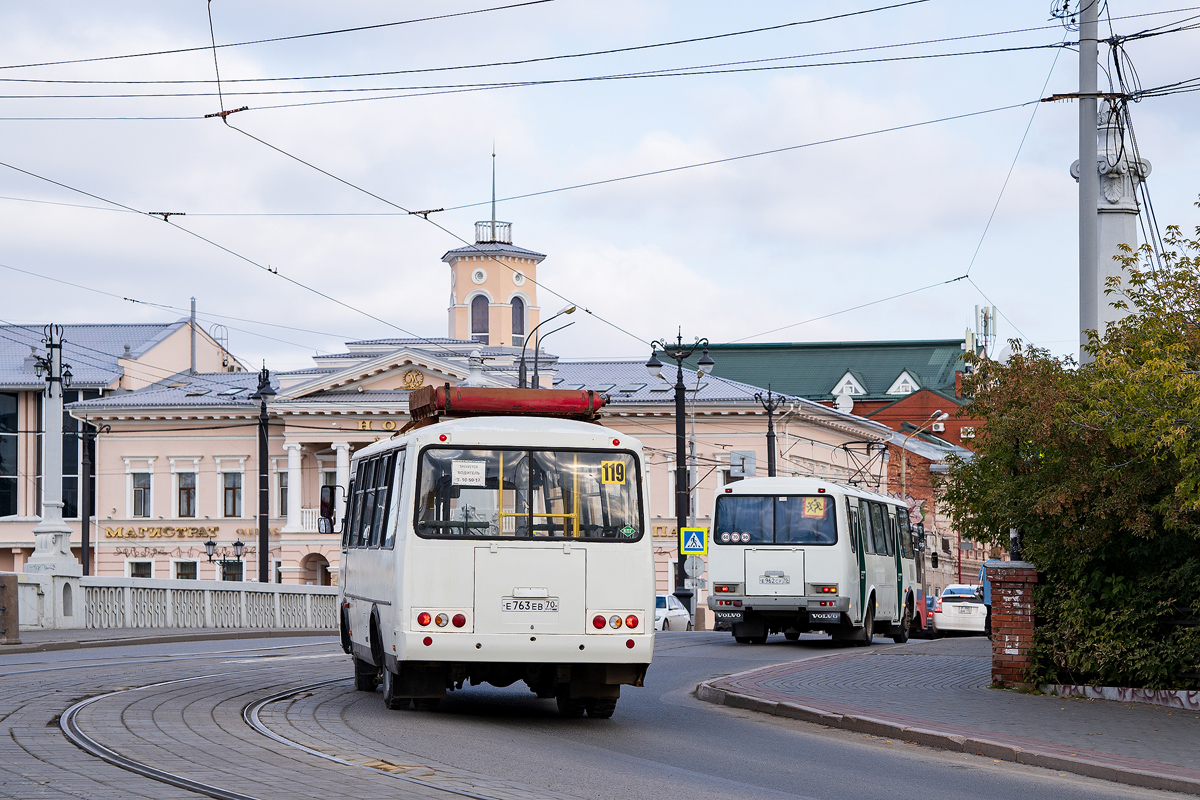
(934, 560)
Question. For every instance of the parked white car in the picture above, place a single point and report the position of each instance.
(670, 615)
(959, 610)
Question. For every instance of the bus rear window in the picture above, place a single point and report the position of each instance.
(538, 494)
(782, 519)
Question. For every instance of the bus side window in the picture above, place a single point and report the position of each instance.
(852, 514)
(389, 540)
(906, 541)
(879, 531)
(864, 520)
(355, 501)
(383, 497)
(366, 504)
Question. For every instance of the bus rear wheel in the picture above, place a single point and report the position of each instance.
(601, 707)
(390, 699)
(905, 625)
(571, 707)
(365, 675)
(868, 629)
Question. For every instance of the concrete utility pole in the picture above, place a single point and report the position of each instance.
(1089, 178)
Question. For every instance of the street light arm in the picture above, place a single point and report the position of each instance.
(525, 344)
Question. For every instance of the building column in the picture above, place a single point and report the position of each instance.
(295, 452)
(343, 479)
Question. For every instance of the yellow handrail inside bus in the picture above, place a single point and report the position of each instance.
(574, 515)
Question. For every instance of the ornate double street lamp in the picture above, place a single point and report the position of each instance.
(521, 382)
(263, 394)
(771, 403)
(679, 352)
(210, 547)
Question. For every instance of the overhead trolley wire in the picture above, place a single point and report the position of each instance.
(279, 38)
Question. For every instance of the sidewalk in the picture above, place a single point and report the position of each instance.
(40, 641)
(936, 693)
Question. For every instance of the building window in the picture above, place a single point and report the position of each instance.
(282, 494)
(479, 318)
(518, 321)
(141, 494)
(8, 455)
(187, 494)
(231, 571)
(186, 570)
(72, 458)
(232, 494)
(141, 569)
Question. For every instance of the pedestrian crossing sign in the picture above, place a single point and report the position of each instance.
(693, 541)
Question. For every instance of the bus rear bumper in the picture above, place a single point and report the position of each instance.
(520, 648)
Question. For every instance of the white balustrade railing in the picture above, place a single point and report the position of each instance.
(155, 603)
(308, 519)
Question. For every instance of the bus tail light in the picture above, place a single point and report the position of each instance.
(830, 589)
(459, 620)
(629, 643)
(631, 621)
(723, 588)
(599, 622)
(424, 618)
(442, 619)
(614, 621)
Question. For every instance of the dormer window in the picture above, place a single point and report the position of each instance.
(904, 384)
(848, 385)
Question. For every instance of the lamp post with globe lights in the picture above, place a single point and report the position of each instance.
(679, 352)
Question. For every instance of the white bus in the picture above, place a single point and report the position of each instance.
(499, 549)
(794, 555)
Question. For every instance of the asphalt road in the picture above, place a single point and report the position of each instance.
(662, 743)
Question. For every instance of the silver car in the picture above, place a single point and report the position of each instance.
(960, 609)
(670, 615)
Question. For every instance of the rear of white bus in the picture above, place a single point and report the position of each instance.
(780, 559)
(527, 558)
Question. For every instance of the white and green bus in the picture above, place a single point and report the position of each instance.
(795, 555)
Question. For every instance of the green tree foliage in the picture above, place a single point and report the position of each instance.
(1099, 466)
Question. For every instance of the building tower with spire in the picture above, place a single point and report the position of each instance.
(493, 285)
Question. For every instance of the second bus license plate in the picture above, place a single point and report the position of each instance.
(523, 604)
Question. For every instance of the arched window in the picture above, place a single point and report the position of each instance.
(479, 318)
(518, 321)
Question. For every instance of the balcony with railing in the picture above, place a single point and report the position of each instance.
(493, 232)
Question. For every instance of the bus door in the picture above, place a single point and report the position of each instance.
(879, 566)
(858, 547)
(900, 549)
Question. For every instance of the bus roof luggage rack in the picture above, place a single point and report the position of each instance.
(430, 403)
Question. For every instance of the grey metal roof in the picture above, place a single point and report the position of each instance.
(370, 396)
(493, 248)
(930, 447)
(612, 376)
(203, 390)
(90, 350)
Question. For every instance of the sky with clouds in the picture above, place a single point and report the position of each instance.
(774, 247)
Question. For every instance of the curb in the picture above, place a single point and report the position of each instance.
(171, 638)
(1002, 751)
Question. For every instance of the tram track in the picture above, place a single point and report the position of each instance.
(69, 723)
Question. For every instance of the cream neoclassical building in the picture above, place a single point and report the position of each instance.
(177, 461)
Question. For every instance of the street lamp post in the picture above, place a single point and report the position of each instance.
(263, 394)
(88, 434)
(679, 352)
(210, 548)
(52, 536)
(936, 416)
(771, 404)
(537, 383)
(521, 368)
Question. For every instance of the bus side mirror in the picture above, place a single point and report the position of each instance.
(328, 494)
(324, 525)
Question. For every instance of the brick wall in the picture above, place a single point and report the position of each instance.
(1012, 620)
